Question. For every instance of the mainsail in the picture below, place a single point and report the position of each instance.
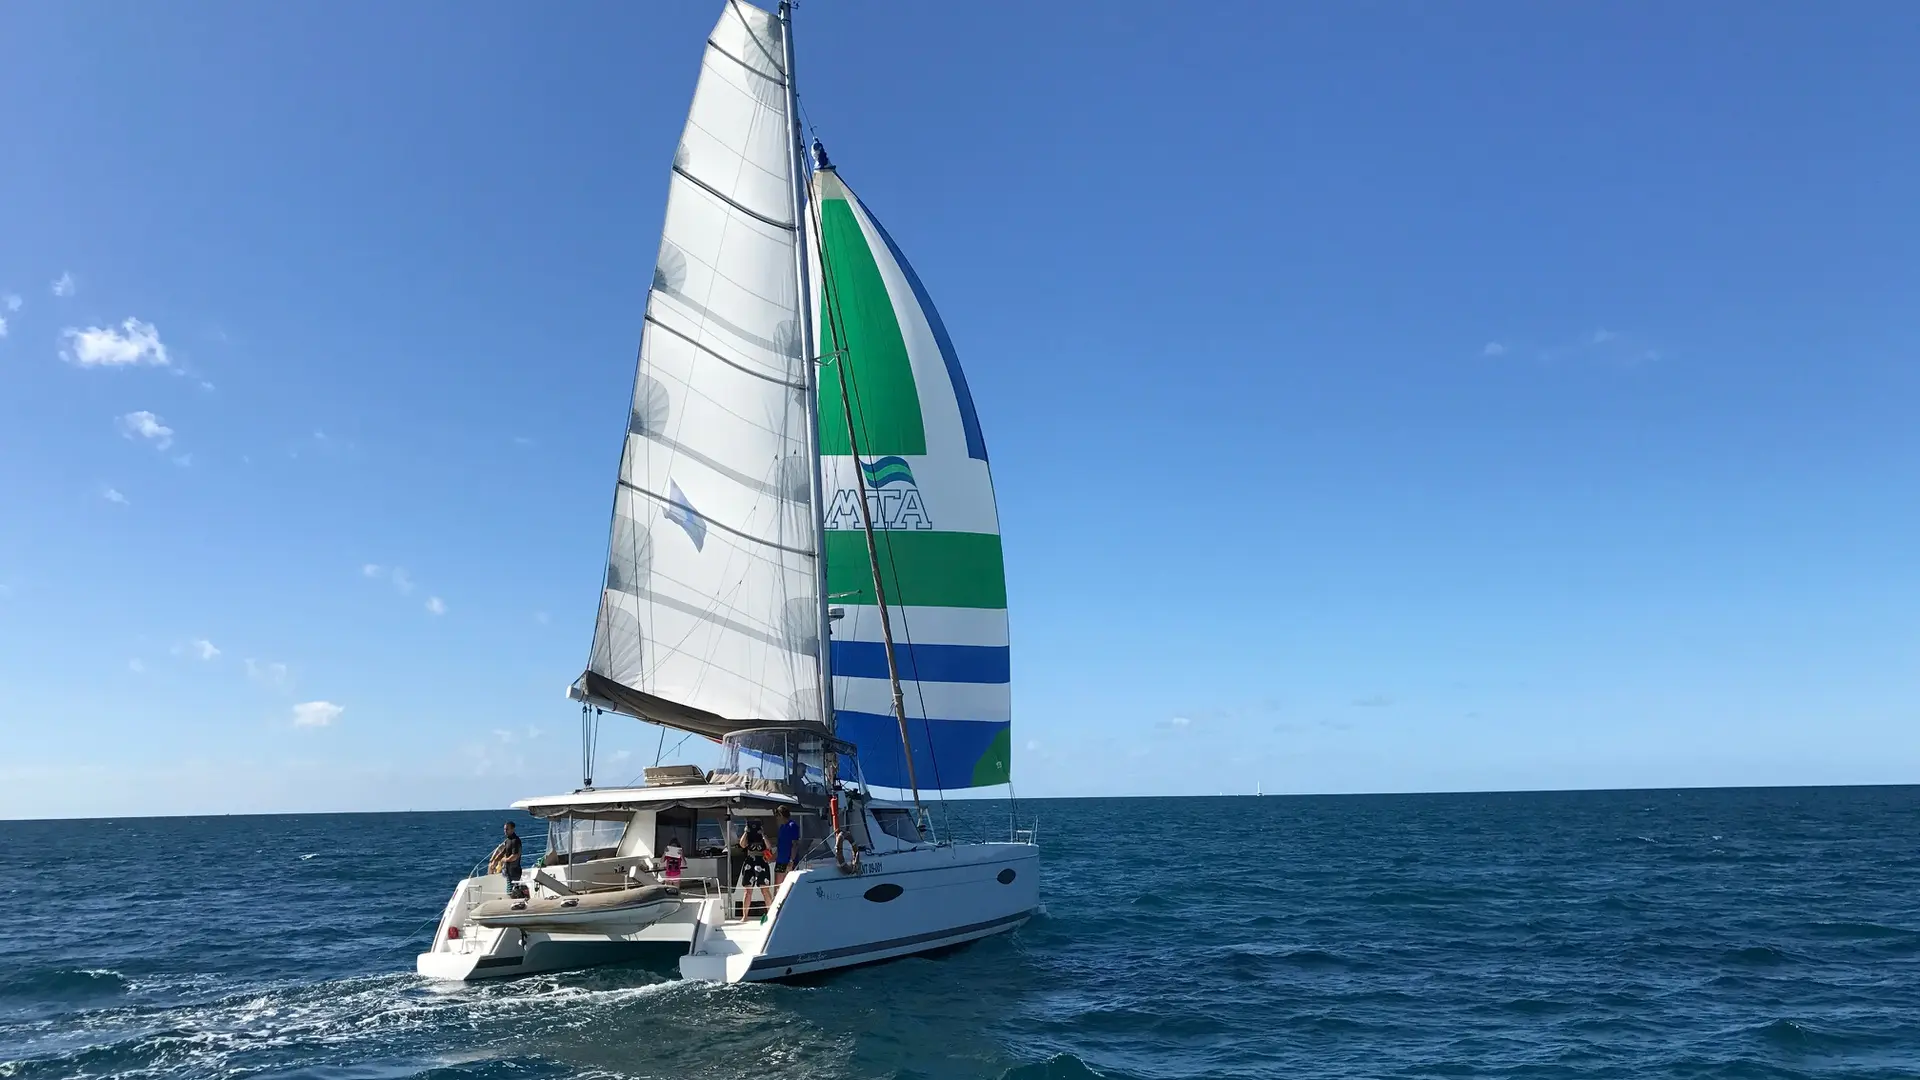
(709, 615)
(930, 498)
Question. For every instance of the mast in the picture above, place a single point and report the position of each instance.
(823, 653)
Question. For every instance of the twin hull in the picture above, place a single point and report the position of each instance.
(900, 903)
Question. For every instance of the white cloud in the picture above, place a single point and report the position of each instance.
(135, 342)
(63, 285)
(1033, 744)
(183, 460)
(370, 570)
(271, 674)
(522, 440)
(205, 385)
(1601, 337)
(146, 425)
(114, 496)
(316, 714)
(542, 618)
(3, 326)
(1180, 721)
(13, 301)
(401, 581)
(1373, 701)
(503, 734)
(203, 648)
(1493, 348)
(534, 732)
(134, 665)
(621, 755)
(435, 605)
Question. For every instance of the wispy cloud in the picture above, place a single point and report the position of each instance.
(272, 674)
(1599, 347)
(3, 326)
(133, 343)
(203, 649)
(63, 285)
(522, 440)
(183, 460)
(113, 496)
(134, 665)
(542, 618)
(316, 714)
(435, 605)
(145, 425)
(13, 301)
(1373, 701)
(402, 581)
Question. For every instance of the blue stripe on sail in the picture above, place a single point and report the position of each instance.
(923, 663)
(969, 422)
(945, 752)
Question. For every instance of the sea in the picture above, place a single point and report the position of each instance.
(1692, 933)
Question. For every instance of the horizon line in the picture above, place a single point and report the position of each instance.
(1049, 798)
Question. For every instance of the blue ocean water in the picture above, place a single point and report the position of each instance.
(1703, 933)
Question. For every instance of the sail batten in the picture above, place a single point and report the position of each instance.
(707, 616)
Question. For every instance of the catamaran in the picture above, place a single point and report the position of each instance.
(804, 566)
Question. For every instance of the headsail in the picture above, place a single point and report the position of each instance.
(930, 496)
(709, 615)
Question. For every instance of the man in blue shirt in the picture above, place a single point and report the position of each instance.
(784, 842)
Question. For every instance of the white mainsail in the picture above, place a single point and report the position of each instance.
(709, 615)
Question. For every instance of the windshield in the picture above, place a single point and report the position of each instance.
(573, 838)
(794, 759)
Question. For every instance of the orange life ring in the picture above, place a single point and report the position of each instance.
(846, 853)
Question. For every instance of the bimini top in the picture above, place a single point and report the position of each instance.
(693, 796)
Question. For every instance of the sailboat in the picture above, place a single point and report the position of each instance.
(805, 567)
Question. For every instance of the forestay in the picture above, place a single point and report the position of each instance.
(709, 615)
(930, 496)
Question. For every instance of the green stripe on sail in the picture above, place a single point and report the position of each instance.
(996, 765)
(921, 569)
(886, 404)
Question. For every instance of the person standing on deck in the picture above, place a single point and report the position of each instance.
(785, 840)
(755, 874)
(506, 857)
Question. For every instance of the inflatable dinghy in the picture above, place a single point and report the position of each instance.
(617, 912)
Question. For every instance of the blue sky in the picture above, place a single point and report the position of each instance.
(1381, 397)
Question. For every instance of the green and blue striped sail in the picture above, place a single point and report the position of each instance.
(930, 495)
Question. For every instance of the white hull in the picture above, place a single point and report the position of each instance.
(902, 903)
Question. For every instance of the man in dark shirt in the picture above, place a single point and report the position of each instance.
(784, 843)
(506, 857)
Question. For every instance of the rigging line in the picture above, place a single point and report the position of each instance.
(893, 564)
(853, 395)
(829, 298)
(657, 750)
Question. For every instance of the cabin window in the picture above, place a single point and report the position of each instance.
(899, 823)
(578, 838)
(710, 836)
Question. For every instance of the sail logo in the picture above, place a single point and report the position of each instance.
(893, 499)
(887, 470)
